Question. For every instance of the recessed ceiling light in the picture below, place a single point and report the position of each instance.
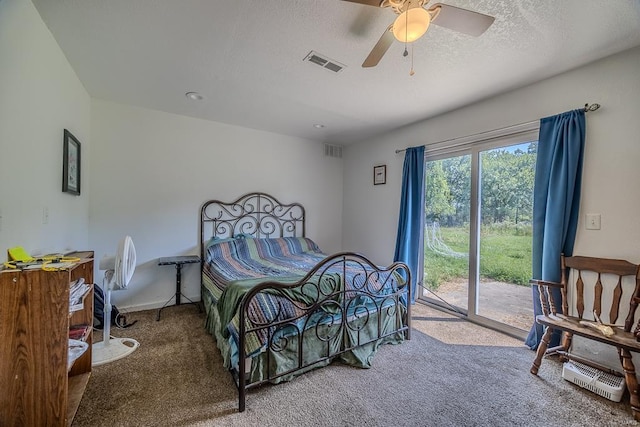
(318, 125)
(194, 96)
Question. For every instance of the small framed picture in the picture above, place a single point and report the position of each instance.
(71, 164)
(379, 174)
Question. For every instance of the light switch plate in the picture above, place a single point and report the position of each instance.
(592, 222)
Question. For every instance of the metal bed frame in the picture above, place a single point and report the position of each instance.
(347, 308)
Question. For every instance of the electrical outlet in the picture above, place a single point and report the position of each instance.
(592, 222)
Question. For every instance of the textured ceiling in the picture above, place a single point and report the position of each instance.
(246, 57)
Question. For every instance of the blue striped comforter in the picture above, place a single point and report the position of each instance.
(233, 266)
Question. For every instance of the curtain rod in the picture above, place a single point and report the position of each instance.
(587, 108)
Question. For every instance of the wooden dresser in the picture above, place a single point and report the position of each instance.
(37, 387)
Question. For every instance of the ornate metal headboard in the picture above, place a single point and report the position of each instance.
(254, 214)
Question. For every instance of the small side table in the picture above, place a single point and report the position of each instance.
(178, 261)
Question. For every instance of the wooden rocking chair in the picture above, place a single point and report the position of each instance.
(624, 337)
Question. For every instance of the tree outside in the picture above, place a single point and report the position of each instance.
(506, 208)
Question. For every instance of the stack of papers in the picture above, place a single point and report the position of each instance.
(76, 349)
(77, 290)
(59, 265)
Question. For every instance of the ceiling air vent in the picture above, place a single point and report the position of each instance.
(324, 62)
(333, 151)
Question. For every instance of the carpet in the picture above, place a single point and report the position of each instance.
(451, 373)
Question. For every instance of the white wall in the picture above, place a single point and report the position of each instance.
(151, 172)
(611, 165)
(146, 175)
(611, 170)
(40, 96)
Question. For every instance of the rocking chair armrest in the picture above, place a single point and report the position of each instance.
(546, 283)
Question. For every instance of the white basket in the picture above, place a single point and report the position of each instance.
(595, 380)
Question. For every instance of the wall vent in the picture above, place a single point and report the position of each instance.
(333, 151)
(324, 62)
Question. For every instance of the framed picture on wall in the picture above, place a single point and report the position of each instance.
(71, 164)
(379, 174)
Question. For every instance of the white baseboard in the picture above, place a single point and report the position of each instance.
(155, 305)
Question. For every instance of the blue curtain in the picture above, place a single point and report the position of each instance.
(410, 238)
(556, 200)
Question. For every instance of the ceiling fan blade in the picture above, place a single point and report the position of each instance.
(375, 3)
(462, 20)
(379, 49)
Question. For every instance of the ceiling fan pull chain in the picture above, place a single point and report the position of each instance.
(411, 72)
(406, 29)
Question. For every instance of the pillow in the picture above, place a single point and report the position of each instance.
(285, 246)
(243, 236)
(216, 240)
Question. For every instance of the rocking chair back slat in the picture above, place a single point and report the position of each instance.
(615, 305)
(597, 303)
(628, 323)
(580, 296)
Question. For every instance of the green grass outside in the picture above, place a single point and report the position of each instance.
(505, 256)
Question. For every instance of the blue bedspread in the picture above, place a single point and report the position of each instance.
(234, 266)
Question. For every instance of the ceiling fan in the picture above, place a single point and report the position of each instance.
(413, 21)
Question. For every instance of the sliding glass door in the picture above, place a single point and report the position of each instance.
(478, 235)
(447, 231)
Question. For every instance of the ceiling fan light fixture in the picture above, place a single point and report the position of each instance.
(411, 25)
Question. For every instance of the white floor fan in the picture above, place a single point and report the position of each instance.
(118, 272)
